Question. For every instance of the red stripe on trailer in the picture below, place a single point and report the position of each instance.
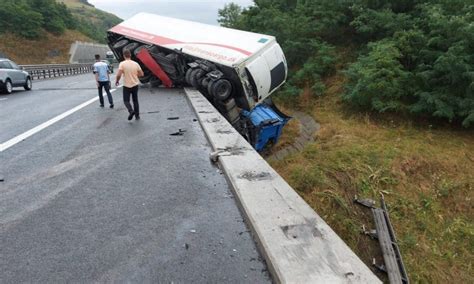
(160, 40)
(154, 67)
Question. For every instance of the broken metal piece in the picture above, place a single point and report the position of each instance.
(372, 233)
(173, 118)
(365, 202)
(400, 275)
(393, 263)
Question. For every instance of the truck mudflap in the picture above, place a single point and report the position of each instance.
(264, 124)
(145, 57)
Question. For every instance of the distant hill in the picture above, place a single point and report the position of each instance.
(42, 31)
(91, 21)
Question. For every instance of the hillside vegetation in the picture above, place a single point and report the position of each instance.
(42, 31)
(392, 85)
(48, 49)
(91, 21)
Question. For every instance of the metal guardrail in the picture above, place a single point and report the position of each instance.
(44, 71)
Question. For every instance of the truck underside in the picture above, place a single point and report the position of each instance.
(218, 83)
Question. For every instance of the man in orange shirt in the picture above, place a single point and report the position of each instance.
(130, 70)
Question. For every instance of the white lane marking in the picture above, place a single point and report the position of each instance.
(3, 99)
(46, 124)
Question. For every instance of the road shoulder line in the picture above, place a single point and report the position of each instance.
(298, 246)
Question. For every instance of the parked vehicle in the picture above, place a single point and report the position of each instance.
(235, 70)
(12, 75)
(109, 55)
(109, 66)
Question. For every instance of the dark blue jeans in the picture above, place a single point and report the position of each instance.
(106, 86)
(126, 99)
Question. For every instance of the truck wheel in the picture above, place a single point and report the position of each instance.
(209, 87)
(221, 89)
(131, 46)
(196, 75)
(188, 76)
(28, 84)
(205, 82)
(120, 44)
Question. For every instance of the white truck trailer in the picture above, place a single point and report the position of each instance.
(235, 70)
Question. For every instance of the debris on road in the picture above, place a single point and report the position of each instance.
(173, 118)
(179, 133)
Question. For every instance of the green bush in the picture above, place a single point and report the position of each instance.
(378, 80)
(17, 17)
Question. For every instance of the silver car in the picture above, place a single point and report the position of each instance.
(12, 75)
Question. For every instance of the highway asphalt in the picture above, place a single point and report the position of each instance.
(96, 198)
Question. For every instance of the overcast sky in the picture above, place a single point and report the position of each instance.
(194, 10)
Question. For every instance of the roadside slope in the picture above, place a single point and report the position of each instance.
(49, 49)
(425, 173)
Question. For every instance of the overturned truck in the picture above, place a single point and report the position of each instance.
(235, 70)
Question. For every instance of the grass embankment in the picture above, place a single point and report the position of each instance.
(425, 173)
(48, 49)
(92, 22)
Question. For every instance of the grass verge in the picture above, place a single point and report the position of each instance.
(426, 175)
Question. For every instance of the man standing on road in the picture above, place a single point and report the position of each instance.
(130, 70)
(102, 77)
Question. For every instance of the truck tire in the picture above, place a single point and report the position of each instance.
(119, 45)
(188, 76)
(196, 75)
(221, 89)
(205, 82)
(209, 87)
(131, 46)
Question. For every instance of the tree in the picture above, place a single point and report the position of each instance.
(229, 15)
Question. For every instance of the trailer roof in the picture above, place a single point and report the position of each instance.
(218, 44)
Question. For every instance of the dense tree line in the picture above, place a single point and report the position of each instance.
(413, 56)
(29, 18)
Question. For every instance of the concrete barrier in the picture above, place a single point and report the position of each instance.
(83, 52)
(297, 244)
